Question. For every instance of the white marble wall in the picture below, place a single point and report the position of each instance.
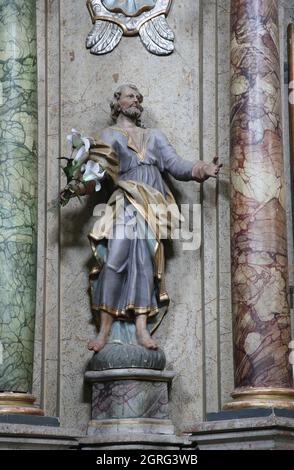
(187, 96)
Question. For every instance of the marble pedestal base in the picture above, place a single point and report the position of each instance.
(130, 400)
(251, 429)
(131, 441)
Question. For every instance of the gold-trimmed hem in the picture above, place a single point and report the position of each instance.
(148, 310)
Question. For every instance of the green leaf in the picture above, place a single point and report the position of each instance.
(70, 168)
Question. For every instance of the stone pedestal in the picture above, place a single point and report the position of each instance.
(130, 400)
(129, 387)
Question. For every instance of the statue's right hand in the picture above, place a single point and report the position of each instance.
(66, 194)
(63, 196)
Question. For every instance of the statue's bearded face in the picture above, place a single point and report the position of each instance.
(129, 103)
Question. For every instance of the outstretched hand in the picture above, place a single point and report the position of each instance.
(212, 169)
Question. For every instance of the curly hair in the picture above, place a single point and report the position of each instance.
(114, 105)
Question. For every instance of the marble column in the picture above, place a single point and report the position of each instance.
(18, 203)
(263, 374)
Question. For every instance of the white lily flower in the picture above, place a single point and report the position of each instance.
(79, 143)
(86, 143)
(80, 153)
(93, 171)
(69, 137)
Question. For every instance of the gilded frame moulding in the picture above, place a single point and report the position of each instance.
(114, 18)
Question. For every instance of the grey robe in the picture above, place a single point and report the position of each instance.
(126, 285)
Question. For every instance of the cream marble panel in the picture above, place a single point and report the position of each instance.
(210, 210)
(172, 91)
(47, 332)
(216, 206)
(52, 316)
(226, 367)
(170, 87)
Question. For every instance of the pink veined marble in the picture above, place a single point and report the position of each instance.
(258, 224)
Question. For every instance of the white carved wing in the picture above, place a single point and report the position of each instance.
(103, 37)
(157, 36)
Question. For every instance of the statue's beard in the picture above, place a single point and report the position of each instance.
(133, 112)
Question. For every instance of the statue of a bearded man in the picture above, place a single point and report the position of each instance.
(128, 280)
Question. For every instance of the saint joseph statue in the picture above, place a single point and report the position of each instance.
(127, 282)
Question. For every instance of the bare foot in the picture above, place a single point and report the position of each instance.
(144, 339)
(98, 343)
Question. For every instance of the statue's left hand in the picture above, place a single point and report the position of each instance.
(212, 169)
